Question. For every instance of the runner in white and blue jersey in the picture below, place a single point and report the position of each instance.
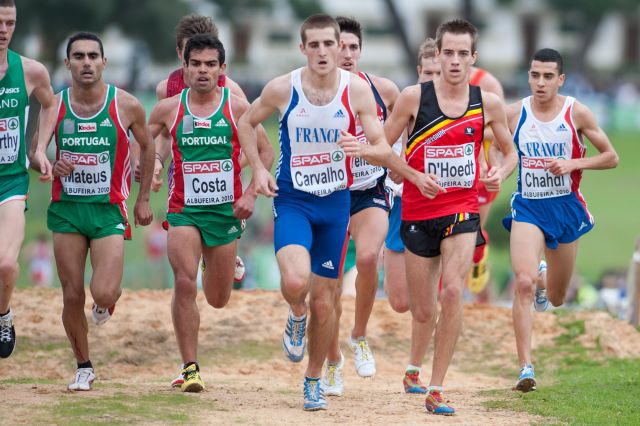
(548, 212)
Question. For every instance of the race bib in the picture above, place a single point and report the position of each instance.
(208, 182)
(319, 173)
(9, 140)
(91, 174)
(538, 183)
(454, 165)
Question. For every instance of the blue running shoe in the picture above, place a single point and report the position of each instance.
(293, 338)
(540, 301)
(527, 380)
(435, 404)
(313, 395)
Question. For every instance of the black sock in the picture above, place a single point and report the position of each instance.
(1, 315)
(192, 363)
(85, 364)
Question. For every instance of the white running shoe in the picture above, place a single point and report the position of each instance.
(101, 315)
(83, 380)
(332, 384)
(293, 338)
(238, 274)
(365, 363)
(178, 381)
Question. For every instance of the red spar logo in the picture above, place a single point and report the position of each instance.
(311, 160)
(534, 163)
(202, 167)
(80, 159)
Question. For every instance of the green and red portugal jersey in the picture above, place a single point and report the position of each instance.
(206, 155)
(98, 146)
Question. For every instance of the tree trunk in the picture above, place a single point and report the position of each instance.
(399, 29)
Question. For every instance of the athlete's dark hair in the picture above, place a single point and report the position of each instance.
(427, 50)
(7, 3)
(202, 42)
(84, 35)
(457, 26)
(318, 21)
(549, 55)
(191, 25)
(350, 25)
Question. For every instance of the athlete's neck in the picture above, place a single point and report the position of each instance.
(327, 81)
(203, 104)
(88, 95)
(551, 106)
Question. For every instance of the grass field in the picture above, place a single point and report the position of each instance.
(612, 197)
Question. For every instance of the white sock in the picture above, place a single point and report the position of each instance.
(295, 318)
(414, 367)
(436, 388)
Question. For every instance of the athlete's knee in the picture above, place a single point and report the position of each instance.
(218, 299)
(73, 298)
(8, 272)
(424, 312)
(106, 297)
(451, 297)
(185, 286)
(556, 298)
(398, 303)
(524, 285)
(295, 283)
(322, 306)
(366, 260)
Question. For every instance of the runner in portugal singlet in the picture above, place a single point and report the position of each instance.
(313, 176)
(98, 147)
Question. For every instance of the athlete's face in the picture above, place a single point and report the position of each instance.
(85, 62)
(456, 57)
(429, 69)
(544, 80)
(321, 50)
(7, 26)
(349, 52)
(203, 70)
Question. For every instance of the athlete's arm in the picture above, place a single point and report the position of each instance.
(234, 88)
(38, 84)
(496, 117)
(161, 89)
(273, 97)
(133, 113)
(388, 91)
(586, 123)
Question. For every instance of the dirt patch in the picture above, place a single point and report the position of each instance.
(249, 381)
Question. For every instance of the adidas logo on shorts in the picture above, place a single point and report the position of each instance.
(232, 230)
(221, 123)
(339, 114)
(328, 264)
(120, 226)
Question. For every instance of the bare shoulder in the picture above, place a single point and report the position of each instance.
(385, 86)
(34, 71)
(166, 106)
(234, 88)
(238, 105)
(161, 89)
(278, 89)
(127, 102)
(490, 83)
(513, 109)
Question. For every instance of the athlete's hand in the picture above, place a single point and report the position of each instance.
(156, 180)
(243, 207)
(427, 184)
(559, 166)
(492, 180)
(395, 177)
(142, 213)
(46, 170)
(351, 146)
(264, 183)
(62, 167)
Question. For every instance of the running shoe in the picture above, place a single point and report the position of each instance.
(238, 275)
(192, 381)
(412, 383)
(313, 396)
(293, 338)
(332, 384)
(7, 335)
(478, 277)
(527, 379)
(435, 404)
(178, 381)
(540, 301)
(101, 315)
(364, 361)
(83, 380)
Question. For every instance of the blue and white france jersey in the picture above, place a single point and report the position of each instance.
(537, 143)
(310, 159)
(366, 175)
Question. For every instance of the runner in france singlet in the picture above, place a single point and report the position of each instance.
(538, 142)
(205, 153)
(448, 148)
(365, 175)
(98, 147)
(310, 159)
(14, 111)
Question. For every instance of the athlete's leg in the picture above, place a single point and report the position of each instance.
(526, 245)
(295, 270)
(217, 280)
(457, 253)
(107, 261)
(484, 214)
(422, 275)
(184, 247)
(395, 280)
(70, 251)
(333, 353)
(560, 264)
(368, 229)
(321, 322)
(12, 230)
